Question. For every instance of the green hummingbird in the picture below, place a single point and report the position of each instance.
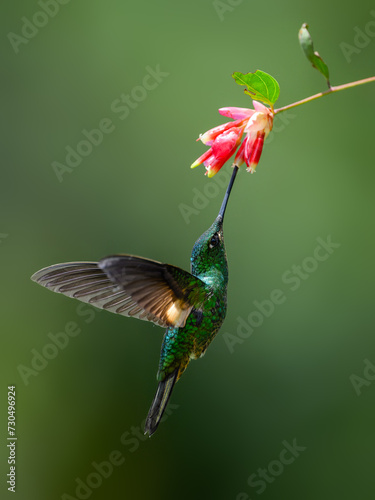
(191, 306)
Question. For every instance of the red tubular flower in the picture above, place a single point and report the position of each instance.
(208, 137)
(222, 148)
(250, 151)
(224, 139)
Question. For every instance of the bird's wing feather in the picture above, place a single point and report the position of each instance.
(129, 285)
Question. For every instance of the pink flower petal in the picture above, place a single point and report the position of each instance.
(236, 113)
(202, 158)
(213, 165)
(239, 159)
(259, 121)
(258, 106)
(209, 136)
(253, 153)
(226, 143)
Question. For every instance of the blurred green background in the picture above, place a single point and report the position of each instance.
(290, 380)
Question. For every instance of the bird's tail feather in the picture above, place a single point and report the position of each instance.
(160, 402)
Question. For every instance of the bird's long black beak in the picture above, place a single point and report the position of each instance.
(227, 193)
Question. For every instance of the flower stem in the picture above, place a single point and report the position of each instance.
(326, 92)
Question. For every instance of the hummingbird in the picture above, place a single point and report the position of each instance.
(191, 306)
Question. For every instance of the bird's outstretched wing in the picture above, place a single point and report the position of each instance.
(129, 285)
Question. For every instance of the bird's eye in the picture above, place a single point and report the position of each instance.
(214, 240)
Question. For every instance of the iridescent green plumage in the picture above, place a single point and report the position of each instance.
(209, 264)
(180, 345)
(192, 306)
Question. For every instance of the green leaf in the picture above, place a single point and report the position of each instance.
(321, 66)
(307, 46)
(260, 86)
(306, 42)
